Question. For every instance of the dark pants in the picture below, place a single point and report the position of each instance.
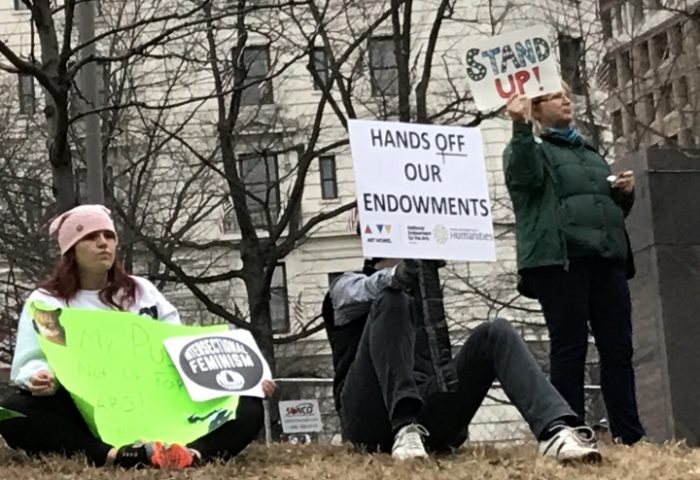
(593, 291)
(382, 385)
(53, 424)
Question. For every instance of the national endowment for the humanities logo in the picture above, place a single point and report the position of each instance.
(440, 234)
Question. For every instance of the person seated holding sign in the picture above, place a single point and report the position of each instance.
(89, 276)
(385, 388)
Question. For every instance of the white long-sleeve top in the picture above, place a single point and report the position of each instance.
(29, 359)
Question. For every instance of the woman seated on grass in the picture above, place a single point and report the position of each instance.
(89, 276)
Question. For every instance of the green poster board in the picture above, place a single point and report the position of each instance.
(121, 378)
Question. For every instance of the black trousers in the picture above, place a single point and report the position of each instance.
(53, 424)
(593, 291)
(382, 384)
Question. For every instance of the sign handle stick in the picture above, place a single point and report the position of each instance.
(435, 324)
(268, 424)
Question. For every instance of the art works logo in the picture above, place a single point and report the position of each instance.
(378, 233)
(378, 229)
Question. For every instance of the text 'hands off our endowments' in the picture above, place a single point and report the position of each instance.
(446, 145)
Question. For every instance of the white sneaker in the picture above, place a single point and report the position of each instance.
(408, 442)
(571, 445)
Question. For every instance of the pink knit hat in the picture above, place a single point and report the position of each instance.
(70, 227)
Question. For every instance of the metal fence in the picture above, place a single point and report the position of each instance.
(496, 422)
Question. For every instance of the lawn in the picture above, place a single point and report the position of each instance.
(283, 461)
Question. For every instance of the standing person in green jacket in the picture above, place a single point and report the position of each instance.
(573, 251)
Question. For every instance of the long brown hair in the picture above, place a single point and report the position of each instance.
(64, 283)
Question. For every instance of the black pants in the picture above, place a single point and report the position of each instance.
(53, 424)
(382, 379)
(593, 291)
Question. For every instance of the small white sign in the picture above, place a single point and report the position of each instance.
(300, 416)
(219, 364)
(515, 62)
(421, 191)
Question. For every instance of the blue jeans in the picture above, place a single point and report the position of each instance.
(384, 377)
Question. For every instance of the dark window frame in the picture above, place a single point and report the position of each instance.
(375, 68)
(27, 100)
(280, 325)
(330, 180)
(260, 83)
(324, 74)
(272, 187)
(570, 54)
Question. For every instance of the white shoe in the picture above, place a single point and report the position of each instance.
(571, 445)
(408, 442)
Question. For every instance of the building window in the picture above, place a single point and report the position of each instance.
(570, 55)
(98, 7)
(258, 90)
(625, 17)
(642, 59)
(319, 65)
(30, 191)
(279, 303)
(260, 175)
(20, 5)
(618, 12)
(27, 97)
(228, 221)
(329, 183)
(104, 90)
(612, 73)
(665, 99)
(675, 33)
(617, 127)
(681, 93)
(383, 68)
(606, 20)
(625, 65)
(81, 184)
(649, 107)
(659, 44)
(637, 11)
(686, 139)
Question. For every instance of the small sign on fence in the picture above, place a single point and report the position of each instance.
(300, 416)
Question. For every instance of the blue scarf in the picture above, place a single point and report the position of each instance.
(570, 133)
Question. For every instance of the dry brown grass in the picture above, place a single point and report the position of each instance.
(322, 463)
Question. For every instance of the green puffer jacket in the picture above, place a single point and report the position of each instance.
(564, 206)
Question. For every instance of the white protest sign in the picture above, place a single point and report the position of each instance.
(516, 62)
(421, 191)
(219, 364)
(300, 416)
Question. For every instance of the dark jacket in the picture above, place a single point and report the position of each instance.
(564, 206)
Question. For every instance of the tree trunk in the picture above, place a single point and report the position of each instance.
(258, 291)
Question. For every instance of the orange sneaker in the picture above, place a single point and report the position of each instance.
(174, 457)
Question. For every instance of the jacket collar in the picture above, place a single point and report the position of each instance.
(578, 141)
